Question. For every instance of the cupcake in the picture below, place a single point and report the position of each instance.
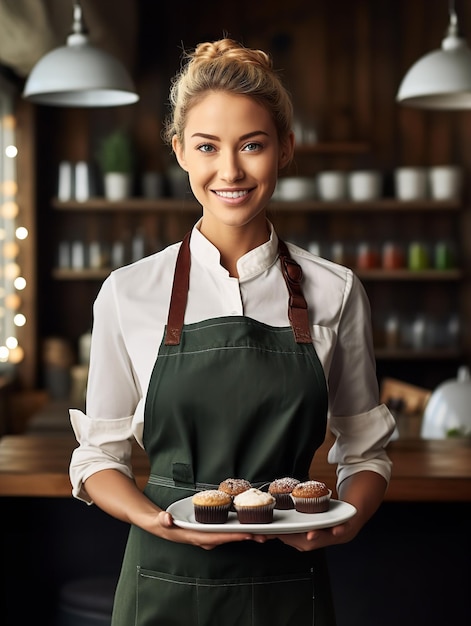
(234, 486)
(311, 496)
(281, 489)
(254, 507)
(211, 506)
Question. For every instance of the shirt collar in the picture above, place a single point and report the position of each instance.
(251, 264)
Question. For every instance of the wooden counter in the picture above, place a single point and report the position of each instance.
(423, 470)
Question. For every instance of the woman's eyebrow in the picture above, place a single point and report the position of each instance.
(205, 136)
(254, 133)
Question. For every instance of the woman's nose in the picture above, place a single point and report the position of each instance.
(230, 167)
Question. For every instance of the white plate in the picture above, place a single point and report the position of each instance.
(284, 522)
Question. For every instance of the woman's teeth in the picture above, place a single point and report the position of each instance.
(231, 194)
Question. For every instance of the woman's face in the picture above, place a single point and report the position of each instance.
(232, 155)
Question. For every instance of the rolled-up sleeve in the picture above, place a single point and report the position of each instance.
(360, 443)
(104, 444)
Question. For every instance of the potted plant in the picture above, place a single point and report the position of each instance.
(116, 159)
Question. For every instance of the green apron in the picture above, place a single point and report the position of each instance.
(229, 397)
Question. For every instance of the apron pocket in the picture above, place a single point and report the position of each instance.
(283, 600)
(165, 599)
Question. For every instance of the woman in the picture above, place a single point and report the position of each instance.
(259, 342)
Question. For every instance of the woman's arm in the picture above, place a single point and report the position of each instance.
(365, 490)
(118, 495)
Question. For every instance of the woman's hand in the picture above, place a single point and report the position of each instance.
(166, 529)
(303, 542)
(322, 537)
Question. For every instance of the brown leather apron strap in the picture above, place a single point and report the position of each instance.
(297, 307)
(181, 283)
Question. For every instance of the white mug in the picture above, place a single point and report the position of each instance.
(445, 182)
(332, 185)
(410, 183)
(364, 185)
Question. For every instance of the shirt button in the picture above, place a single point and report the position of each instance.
(234, 312)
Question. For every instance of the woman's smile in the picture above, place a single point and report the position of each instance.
(233, 196)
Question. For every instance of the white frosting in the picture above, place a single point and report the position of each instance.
(253, 497)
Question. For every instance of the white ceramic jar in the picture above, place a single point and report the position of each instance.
(364, 185)
(445, 182)
(295, 188)
(332, 185)
(410, 183)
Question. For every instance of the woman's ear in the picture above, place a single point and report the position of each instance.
(286, 151)
(179, 152)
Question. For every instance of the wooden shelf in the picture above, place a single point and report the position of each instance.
(409, 275)
(164, 205)
(373, 275)
(315, 206)
(183, 205)
(410, 354)
(377, 206)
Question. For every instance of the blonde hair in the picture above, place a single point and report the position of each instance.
(228, 66)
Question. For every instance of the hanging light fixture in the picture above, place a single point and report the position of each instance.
(441, 79)
(79, 74)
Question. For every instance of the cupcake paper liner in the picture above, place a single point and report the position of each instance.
(255, 515)
(211, 514)
(312, 505)
(284, 501)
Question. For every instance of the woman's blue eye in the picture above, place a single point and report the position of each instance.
(205, 147)
(252, 147)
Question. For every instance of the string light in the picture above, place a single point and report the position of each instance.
(19, 319)
(11, 151)
(21, 233)
(19, 283)
(11, 235)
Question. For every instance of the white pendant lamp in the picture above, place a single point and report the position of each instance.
(440, 80)
(79, 74)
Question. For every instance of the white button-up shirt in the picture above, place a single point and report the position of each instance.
(130, 313)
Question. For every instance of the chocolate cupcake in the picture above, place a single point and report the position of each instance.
(254, 507)
(234, 486)
(211, 506)
(311, 496)
(281, 489)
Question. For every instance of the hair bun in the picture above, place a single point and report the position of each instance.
(231, 50)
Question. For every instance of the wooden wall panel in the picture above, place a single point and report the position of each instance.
(362, 88)
(384, 79)
(342, 60)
